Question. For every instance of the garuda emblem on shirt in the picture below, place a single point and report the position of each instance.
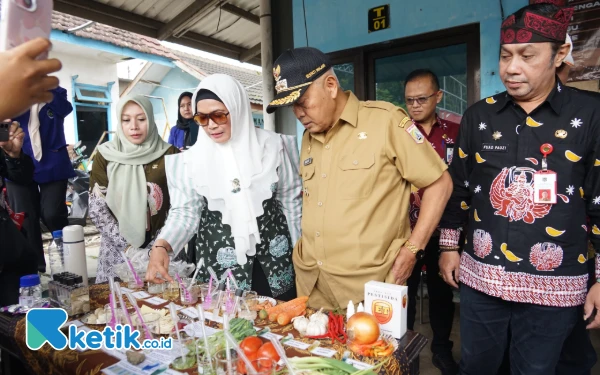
(546, 256)
(511, 195)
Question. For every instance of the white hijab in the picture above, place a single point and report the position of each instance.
(251, 156)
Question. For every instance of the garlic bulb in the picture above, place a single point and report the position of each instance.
(315, 328)
(360, 308)
(320, 318)
(300, 324)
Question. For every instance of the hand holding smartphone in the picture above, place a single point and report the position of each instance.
(24, 68)
(4, 131)
(12, 130)
(25, 20)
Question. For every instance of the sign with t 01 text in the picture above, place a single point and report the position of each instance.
(379, 18)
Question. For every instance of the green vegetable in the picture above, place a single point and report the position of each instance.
(239, 329)
(184, 363)
(330, 366)
(263, 314)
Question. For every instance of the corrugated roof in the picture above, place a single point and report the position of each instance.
(228, 28)
(251, 79)
(216, 22)
(112, 35)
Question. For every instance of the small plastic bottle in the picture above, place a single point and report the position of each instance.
(56, 254)
(30, 291)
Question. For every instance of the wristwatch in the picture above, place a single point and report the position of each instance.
(419, 253)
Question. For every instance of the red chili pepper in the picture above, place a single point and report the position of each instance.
(343, 331)
(332, 327)
(337, 328)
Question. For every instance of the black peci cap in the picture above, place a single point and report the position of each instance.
(294, 71)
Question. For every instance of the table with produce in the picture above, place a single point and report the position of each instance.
(218, 328)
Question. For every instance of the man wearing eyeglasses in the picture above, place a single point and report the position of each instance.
(422, 95)
(358, 161)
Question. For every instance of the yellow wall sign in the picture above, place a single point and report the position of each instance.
(379, 18)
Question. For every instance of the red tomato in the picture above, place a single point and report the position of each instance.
(241, 365)
(251, 344)
(267, 351)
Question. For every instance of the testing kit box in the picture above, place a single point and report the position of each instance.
(387, 303)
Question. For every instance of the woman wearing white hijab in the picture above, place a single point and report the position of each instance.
(129, 199)
(238, 189)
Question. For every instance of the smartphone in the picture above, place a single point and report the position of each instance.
(4, 130)
(24, 20)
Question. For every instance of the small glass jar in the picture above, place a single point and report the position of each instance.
(191, 297)
(30, 291)
(171, 291)
(155, 288)
(223, 366)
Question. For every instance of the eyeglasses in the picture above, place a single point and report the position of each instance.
(218, 117)
(421, 100)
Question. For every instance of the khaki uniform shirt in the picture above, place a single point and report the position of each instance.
(357, 181)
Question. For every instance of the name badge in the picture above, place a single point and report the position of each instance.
(308, 161)
(544, 187)
(449, 152)
(494, 147)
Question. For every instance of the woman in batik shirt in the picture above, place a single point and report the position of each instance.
(129, 199)
(239, 190)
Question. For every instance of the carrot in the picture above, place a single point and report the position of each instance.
(287, 305)
(292, 312)
(285, 317)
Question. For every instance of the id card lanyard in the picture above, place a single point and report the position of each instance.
(544, 181)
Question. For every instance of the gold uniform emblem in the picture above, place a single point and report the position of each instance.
(560, 133)
(277, 72)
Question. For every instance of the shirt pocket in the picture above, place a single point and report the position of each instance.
(308, 181)
(356, 176)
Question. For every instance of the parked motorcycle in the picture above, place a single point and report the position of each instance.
(78, 187)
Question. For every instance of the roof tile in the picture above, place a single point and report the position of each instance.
(251, 79)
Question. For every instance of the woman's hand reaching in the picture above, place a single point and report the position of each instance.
(158, 267)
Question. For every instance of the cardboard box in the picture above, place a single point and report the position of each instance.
(387, 303)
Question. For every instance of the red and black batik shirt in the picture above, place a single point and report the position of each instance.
(516, 249)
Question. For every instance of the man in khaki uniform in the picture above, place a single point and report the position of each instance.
(358, 161)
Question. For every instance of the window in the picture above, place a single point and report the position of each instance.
(91, 112)
(448, 63)
(92, 122)
(89, 93)
(345, 74)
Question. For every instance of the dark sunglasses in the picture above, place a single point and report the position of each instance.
(421, 100)
(218, 117)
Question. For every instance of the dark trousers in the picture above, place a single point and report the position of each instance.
(441, 307)
(578, 356)
(45, 202)
(533, 334)
(16, 259)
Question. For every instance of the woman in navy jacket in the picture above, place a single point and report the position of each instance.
(45, 197)
(185, 132)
